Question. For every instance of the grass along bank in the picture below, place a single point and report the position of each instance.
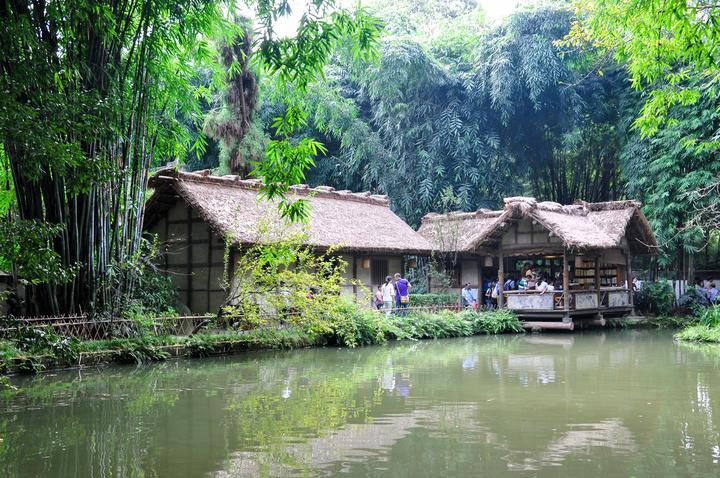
(350, 325)
(706, 328)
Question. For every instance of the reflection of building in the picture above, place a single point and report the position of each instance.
(352, 443)
(608, 433)
(585, 249)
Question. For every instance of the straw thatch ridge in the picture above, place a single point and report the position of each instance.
(581, 226)
(235, 210)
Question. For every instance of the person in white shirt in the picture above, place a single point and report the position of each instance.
(543, 286)
(468, 300)
(388, 292)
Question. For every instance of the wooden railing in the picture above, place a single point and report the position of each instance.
(579, 299)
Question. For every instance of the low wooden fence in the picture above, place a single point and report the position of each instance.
(422, 308)
(82, 327)
(85, 328)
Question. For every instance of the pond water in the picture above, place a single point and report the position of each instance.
(626, 403)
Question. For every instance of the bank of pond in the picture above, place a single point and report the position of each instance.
(37, 349)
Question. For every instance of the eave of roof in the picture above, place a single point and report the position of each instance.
(579, 226)
(357, 222)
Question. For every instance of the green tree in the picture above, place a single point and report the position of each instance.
(670, 51)
(91, 96)
(230, 123)
(555, 113)
(670, 175)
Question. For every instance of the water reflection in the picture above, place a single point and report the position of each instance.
(610, 404)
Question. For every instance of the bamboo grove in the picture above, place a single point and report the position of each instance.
(429, 102)
(92, 93)
(460, 111)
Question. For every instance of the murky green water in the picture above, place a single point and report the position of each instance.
(597, 404)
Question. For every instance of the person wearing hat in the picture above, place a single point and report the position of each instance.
(388, 293)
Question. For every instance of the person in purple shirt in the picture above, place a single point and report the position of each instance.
(402, 293)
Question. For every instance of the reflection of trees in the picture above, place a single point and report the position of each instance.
(106, 420)
(510, 402)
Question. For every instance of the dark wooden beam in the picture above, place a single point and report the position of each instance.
(189, 269)
(566, 287)
(501, 278)
(209, 266)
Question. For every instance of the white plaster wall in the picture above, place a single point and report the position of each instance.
(468, 272)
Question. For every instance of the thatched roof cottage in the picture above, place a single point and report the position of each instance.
(589, 246)
(194, 214)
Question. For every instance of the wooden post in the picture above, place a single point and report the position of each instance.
(566, 287)
(166, 244)
(354, 277)
(597, 283)
(232, 257)
(429, 276)
(209, 265)
(501, 279)
(189, 258)
(481, 292)
(628, 269)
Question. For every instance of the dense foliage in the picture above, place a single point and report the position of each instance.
(467, 111)
(95, 92)
(670, 50)
(347, 324)
(284, 280)
(655, 298)
(424, 102)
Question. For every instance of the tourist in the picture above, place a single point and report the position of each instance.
(543, 286)
(379, 298)
(531, 278)
(468, 299)
(495, 294)
(522, 284)
(701, 292)
(509, 283)
(488, 294)
(402, 289)
(713, 294)
(388, 295)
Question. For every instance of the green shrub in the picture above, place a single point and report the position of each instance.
(140, 351)
(155, 292)
(656, 298)
(710, 316)
(427, 300)
(282, 279)
(427, 325)
(44, 341)
(354, 324)
(5, 384)
(692, 302)
(494, 322)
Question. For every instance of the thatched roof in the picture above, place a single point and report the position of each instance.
(580, 226)
(234, 209)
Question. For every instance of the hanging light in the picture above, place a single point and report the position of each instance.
(365, 263)
(488, 261)
(412, 263)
